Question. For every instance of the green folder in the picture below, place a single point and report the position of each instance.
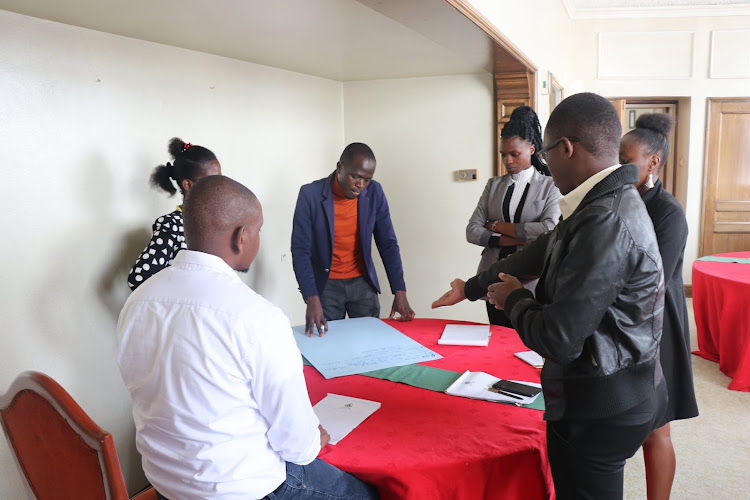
(427, 377)
(713, 258)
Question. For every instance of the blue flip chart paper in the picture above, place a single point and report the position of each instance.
(359, 345)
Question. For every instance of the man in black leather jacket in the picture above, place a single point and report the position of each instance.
(597, 314)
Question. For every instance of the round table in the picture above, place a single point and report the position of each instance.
(426, 445)
(721, 301)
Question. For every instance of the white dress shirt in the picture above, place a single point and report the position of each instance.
(519, 181)
(570, 201)
(219, 398)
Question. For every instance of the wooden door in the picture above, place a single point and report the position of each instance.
(726, 184)
(619, 105)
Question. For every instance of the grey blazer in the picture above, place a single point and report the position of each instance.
(540, 213)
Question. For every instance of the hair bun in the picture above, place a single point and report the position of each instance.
(658, 122)
(176, 146)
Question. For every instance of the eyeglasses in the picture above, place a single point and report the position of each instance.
(542, 154)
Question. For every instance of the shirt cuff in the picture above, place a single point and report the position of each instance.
(472, 290)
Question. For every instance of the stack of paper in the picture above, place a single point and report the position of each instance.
(466, 335)
(475, 385)
(339, 415)
(531, 358)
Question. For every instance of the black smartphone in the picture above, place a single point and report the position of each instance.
(516, 388)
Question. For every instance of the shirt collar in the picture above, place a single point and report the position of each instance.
(192, 258)
(523, 176)
(570, 201)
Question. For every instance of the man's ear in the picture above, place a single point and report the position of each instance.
(238, 239)
(567, 147)
(186, 185)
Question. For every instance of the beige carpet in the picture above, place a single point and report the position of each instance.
(713, 449)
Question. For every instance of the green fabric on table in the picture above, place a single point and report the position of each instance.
(713, 258)
(424, 377)
(427, 377)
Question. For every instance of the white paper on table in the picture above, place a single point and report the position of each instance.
(531, 358)
(478, 335)
(475, 385)
(339, 415)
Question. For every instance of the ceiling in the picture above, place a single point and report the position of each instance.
(342, 40)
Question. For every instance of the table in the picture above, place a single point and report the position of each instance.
(428, 445)
(721, 301)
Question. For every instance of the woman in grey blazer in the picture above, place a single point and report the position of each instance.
(519, 206)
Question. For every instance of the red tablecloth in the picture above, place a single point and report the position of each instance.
(721, 301)
(423, 444)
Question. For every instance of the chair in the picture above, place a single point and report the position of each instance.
(60, 451)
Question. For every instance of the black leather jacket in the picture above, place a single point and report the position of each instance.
(597, 316)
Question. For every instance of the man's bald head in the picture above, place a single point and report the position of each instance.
(222, 217)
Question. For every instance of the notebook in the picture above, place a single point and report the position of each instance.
(531, 358)
(475, 385)
(478, 335)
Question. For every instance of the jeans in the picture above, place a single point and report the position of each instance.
(587, 457)
(320, 480)
(354, 296)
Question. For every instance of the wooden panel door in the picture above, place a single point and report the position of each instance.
(726, 186)
(512, 90)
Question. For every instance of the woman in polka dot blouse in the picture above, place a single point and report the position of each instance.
(189, 163)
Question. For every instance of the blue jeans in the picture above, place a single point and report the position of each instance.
(320, 480)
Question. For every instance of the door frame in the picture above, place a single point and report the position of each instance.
(679, 172)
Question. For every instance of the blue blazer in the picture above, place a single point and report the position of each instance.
(312, 236)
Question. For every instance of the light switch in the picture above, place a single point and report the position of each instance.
(467, 175)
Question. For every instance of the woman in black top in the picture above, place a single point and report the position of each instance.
(648, 147)
(189, 163)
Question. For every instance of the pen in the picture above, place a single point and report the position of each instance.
(509, 395)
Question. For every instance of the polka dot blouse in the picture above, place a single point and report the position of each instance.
(168, 239)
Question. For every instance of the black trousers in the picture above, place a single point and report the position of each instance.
(587, 457)
(497, 316)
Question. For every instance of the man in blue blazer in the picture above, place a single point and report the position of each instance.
(335, 221)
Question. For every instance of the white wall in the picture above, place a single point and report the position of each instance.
(84, 117)
(541, 30)
(698, 88)
(422, 130)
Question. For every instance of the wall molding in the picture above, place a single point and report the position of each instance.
(663, 55)
(646, 12)
(727, 59)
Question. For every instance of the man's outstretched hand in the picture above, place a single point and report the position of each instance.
(453, 296)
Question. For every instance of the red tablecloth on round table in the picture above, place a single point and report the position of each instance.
(721, 301)
(423, 444)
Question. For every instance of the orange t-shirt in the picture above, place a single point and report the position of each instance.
(347, 261)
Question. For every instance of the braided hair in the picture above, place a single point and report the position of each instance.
(188, 162)
(524, 123)
(652, 130)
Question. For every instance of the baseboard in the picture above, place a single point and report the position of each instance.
(689, 291)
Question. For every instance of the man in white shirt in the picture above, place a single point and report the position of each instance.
(219, 399)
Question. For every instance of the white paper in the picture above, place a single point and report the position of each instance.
(531, 358)
(339, 415)
(359, 345)
(475, 385)
(466, 335)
